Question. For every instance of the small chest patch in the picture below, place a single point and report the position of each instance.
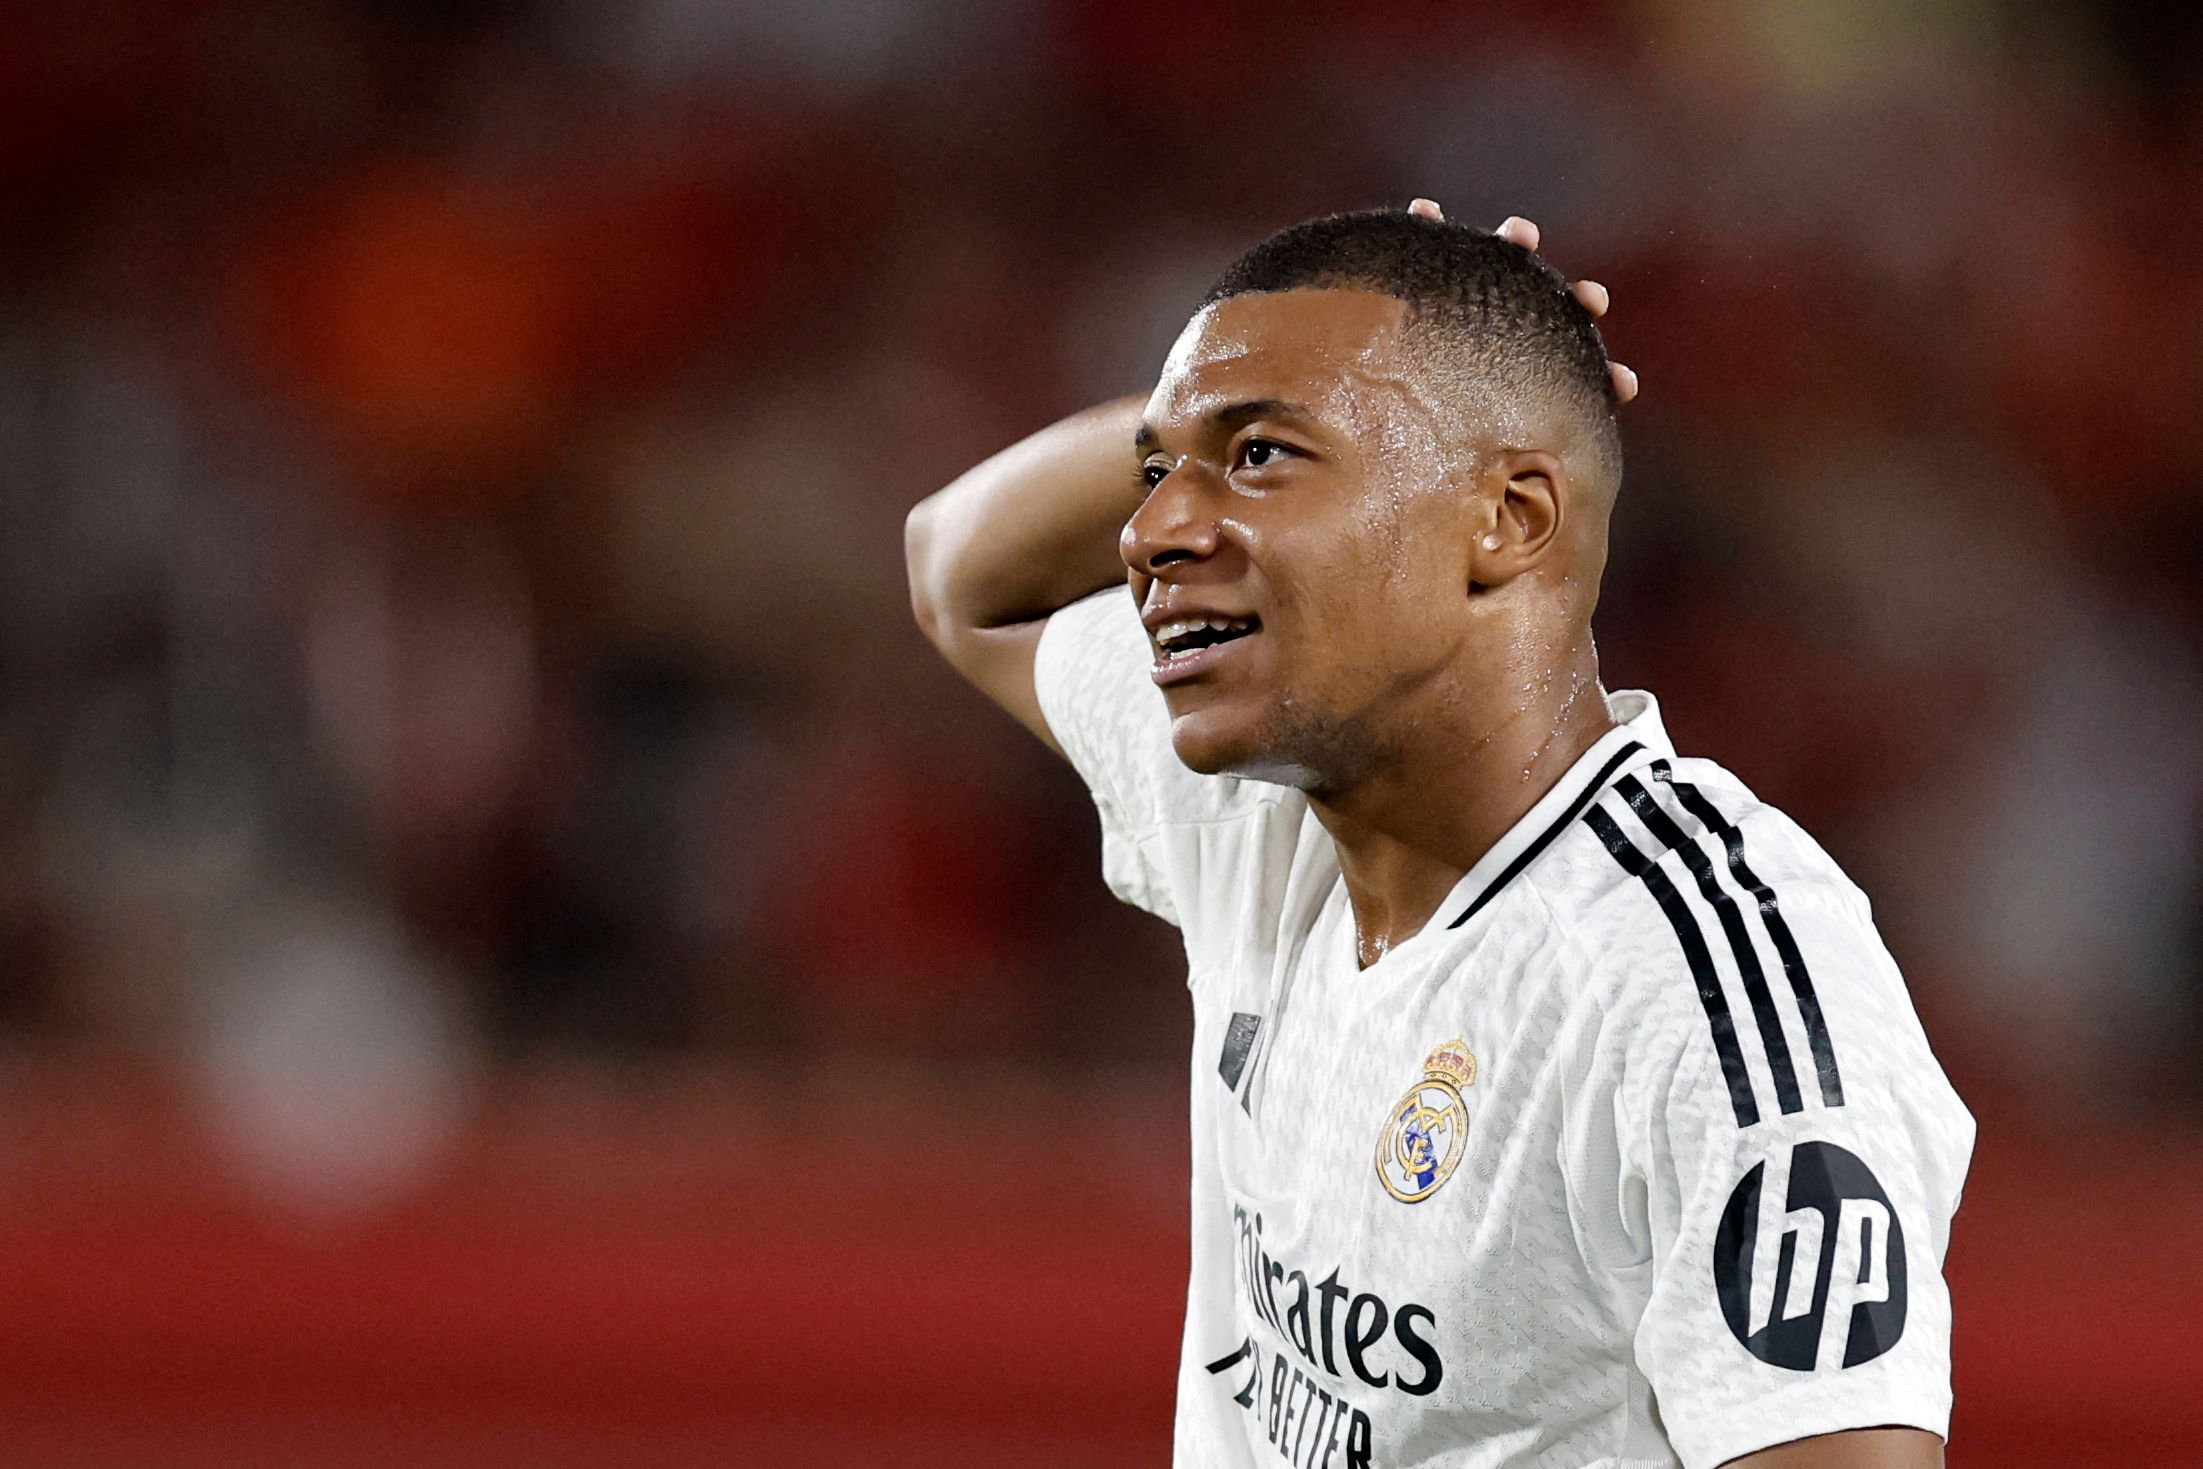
(1427, 1130)
(1238, 1043)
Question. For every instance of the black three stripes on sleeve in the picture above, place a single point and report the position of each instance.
(1641, 867)
(1786, 944)
(1646, 869)
(1671, 836)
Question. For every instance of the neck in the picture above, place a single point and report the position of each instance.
(1409, 829)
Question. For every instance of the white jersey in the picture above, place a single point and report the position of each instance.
(1636, 1155)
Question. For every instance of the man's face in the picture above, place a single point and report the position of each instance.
(1308, 494)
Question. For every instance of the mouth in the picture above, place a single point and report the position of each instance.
(1191, 645)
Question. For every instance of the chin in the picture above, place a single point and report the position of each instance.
(1223, 742)
(1204, 747)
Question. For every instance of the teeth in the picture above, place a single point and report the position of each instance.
(1171, 632)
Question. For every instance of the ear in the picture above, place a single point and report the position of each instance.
(1520, 498)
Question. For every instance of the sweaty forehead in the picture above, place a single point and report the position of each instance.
(1300, 345)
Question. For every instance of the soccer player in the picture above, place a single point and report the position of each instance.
(1554, 1100)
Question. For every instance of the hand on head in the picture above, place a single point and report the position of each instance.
(1595, 297)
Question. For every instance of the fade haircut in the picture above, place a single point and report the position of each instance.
(1499, 322)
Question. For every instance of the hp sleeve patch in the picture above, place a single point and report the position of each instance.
(1820, 1277)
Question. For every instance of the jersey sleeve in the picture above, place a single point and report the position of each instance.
(1795, 1241)
(1091, 676)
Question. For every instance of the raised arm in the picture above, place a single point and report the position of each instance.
(1031, 530)
(1035, 528)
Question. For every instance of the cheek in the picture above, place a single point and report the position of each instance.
(1395, 557)
(1337, 612)
(1319, 578)
(1375, 571)
(1385, 602)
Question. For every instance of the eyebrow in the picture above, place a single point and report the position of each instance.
(1230, 416)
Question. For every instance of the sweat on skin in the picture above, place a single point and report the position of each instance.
(1423, 572)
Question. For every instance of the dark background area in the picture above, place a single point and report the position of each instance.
(511, 948)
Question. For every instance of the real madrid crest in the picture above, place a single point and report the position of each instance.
(1427, 1130)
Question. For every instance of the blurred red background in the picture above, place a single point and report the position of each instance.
(511, 950)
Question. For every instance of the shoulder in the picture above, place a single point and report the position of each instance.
(1723, 943)
(1676, 854)
(1664, 823)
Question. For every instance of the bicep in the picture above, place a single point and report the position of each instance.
(1857, 1448)
(1797, 1243)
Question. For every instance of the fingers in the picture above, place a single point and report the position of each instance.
(1518, 231)
(1594, 297)
(1427, 209)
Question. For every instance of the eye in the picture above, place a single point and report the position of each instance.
(1154, 473)
(1262, 453)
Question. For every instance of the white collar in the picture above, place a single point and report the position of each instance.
(1637, 738)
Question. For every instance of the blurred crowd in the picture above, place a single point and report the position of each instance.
(454, 459)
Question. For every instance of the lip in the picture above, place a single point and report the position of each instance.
(1170, 606)
(1170, 668)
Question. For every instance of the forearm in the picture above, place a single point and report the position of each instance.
(1858, 1448)
(1030, 530)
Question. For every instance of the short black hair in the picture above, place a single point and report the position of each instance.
(1503, 315)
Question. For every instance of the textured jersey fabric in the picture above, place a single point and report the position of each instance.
(1636, 1155)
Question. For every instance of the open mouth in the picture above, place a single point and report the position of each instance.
(1185, 646)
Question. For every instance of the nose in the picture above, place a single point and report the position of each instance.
(1175, 524)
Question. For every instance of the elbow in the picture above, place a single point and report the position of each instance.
(919, 565)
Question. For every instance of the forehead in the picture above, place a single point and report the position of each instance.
(1301, 345)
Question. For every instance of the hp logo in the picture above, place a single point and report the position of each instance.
(1809, 1261)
